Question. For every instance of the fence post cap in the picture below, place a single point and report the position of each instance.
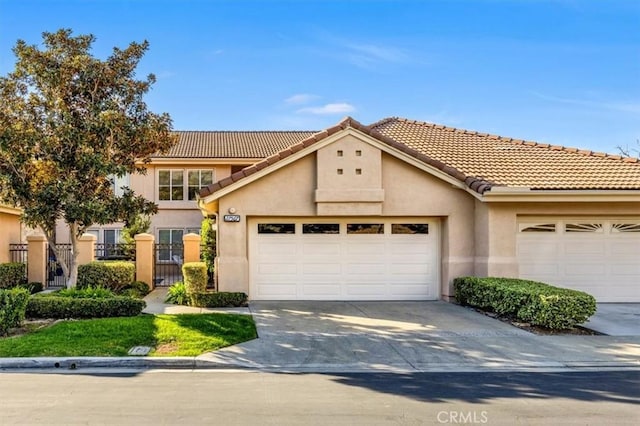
(191, 237)
(87, 237)
(36, 237)
(144, 237)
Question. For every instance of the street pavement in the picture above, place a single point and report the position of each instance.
(261, 398)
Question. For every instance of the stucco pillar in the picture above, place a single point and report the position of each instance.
(144, 258)
(86, 249)
(191, 248)
(37, 259)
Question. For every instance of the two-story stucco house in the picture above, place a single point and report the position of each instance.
(396, 210)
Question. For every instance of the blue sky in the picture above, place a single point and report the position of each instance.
(564, 72)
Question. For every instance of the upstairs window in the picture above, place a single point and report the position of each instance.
(198, 179)
(181, 185)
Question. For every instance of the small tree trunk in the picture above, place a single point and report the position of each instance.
(72, 273)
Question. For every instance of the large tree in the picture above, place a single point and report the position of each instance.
(69, 124)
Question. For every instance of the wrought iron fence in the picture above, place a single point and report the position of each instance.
(18, 253)
(120, 251)
(168, 259)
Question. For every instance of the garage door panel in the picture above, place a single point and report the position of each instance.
(362, 269)
(417, 269)
(582, 269)
(409, 290)
(626, 249)
(538, 247)
(322, 268)
(626, 269)
(534, 269)
(584, 248)
(321, 248)
(278, 269)
(366, 248)
(277, 248)
(277, 290)
(321, 289)
(366, 288)
(342, 266)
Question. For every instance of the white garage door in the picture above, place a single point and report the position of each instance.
(340, 259)
(601, 257)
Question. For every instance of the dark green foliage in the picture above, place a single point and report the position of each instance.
(12, 308)
(12, 274)
(217, 299)
(85, 293)
(32, 287)
(529, 301)
(114, 275)
(54, 306)
(208, 254)
(136, 289)
(195, 277)
(177, 294)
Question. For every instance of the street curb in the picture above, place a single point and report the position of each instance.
(201, 362)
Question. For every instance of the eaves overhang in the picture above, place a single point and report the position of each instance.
(501, 194)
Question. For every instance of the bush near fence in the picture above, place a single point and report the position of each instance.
(12, 274)
(527, 301)
(13, 305)
(114, 275)
(57, 306)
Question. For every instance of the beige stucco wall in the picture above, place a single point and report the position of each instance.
(290, 192)
(10, 231)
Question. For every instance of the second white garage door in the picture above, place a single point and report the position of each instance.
(343, 259)
(596, 255)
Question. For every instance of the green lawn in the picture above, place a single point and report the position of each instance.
(169, 335)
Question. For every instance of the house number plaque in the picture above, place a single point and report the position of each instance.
(232, 218)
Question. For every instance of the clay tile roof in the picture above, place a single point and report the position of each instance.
(479, 160)
(232, 144)
(510, 162)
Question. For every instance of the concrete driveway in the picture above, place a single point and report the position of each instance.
(616, 319)
(406, 336)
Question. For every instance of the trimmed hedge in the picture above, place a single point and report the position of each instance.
(114, 275)
(220, 299)
(528, 301)
(60, 307)
(195, 277)
(12, 274)
(12, 308)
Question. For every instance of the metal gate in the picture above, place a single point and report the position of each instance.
(55, 275)
(168, 259)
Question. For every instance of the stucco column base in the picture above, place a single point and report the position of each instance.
(191, 244)
(496, 267)
(145, 252)
(37, 259)
(452, 268)
(86, 248)
(232, 274)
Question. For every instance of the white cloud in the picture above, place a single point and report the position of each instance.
(301, 98)
(329, 109)
(619, 106)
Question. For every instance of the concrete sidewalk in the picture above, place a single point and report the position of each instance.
(377, 336)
